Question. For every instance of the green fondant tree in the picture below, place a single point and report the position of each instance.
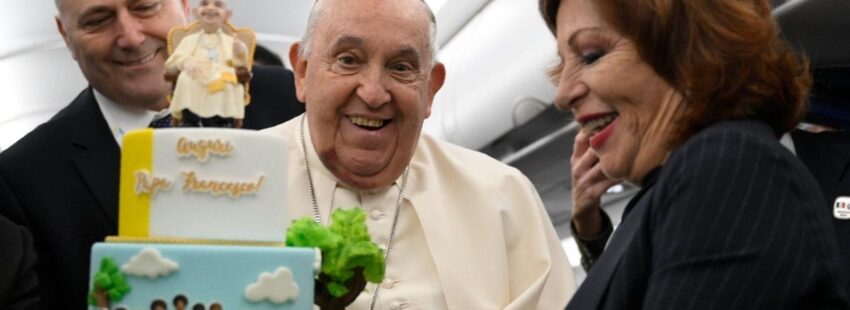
(109, 284)
(349, 257)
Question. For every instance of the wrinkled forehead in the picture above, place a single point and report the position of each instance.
(77, 7)
(405, 21)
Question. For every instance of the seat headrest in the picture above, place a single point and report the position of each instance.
(821, 30)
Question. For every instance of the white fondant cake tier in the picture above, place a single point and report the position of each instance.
(203, 183)
(235, 277)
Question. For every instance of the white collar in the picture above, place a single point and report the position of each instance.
(122, 118)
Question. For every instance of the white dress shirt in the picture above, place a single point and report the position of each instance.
(121, 118)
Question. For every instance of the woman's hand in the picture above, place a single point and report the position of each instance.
(589, 183)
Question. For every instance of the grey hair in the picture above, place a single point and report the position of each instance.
(317, 13)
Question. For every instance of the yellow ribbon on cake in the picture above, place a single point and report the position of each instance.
(134, 209)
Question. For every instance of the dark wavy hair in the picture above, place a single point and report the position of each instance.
(724, 56)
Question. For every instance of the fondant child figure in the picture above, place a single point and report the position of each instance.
(209, 66)
(180, 302)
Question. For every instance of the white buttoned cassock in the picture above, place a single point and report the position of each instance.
(472, 232)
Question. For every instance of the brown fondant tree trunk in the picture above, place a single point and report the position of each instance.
(326, 301)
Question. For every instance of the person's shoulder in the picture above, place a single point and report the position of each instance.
(43, 140)
(285, 129)
(448, 156)
(732, 151)
(733, 141)
(457, 172)
(35, 148)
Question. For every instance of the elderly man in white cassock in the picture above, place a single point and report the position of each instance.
(460, 229)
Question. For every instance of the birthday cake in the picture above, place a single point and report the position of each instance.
(202, 221)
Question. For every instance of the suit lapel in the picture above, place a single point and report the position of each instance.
(595, 287)
(99, 156)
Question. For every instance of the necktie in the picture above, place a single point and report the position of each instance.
(162, 122)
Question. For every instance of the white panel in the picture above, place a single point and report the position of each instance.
(26, 23)
(255, 217)
(287, 17)
(33, 87)
(500, 57)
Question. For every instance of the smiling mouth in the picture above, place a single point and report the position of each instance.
(597, 122)
(139, 61)
(366, 123)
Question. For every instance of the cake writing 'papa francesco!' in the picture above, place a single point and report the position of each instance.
(202, 221)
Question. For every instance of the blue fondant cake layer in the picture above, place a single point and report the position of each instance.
(208, 274)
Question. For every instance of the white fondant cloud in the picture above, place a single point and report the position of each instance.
(149, 263)
(277, 288)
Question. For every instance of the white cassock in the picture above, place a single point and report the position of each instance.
(472, 232)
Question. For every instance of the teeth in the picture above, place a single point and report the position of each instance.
(599, 123)
(365, 122)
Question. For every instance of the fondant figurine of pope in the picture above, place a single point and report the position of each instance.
(209, 66)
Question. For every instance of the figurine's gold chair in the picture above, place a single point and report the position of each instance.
(245, 35)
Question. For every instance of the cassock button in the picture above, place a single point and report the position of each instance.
(399, 304)
(388, 283)
(376, 215)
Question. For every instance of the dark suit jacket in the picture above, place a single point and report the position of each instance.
(827, 155)
(18, 281)
(63, 178)
(732, 221)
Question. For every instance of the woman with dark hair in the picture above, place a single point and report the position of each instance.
(686, 98)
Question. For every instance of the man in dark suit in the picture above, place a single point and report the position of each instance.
(61, 180)
(818, 28)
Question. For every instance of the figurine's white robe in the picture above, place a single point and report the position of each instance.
(472, 232)
(229, 100)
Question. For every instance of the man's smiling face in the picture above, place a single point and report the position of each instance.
(120, 45)
(368, 82)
